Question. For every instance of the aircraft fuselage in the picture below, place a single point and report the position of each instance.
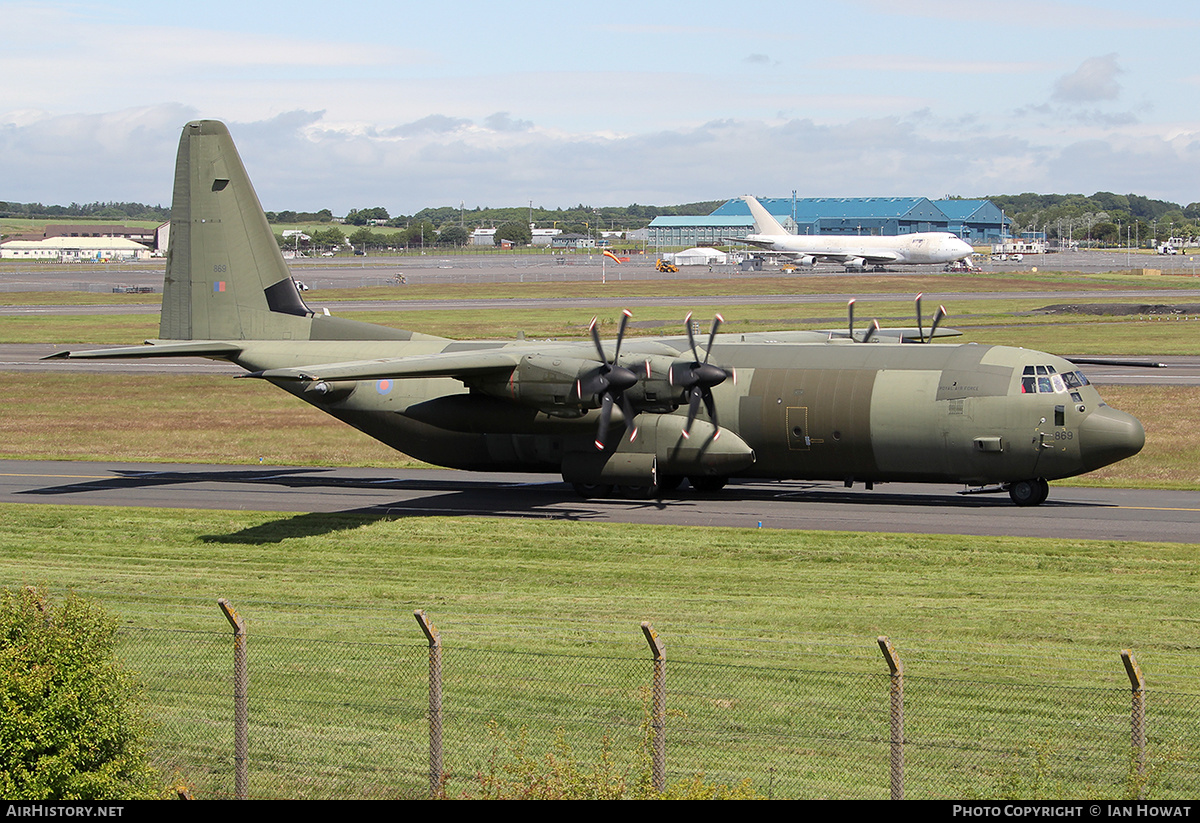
(927, 248)
(835, 411)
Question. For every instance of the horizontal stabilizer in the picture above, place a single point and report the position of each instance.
(460, 364)
(190, 348)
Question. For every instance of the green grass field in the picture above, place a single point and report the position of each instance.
(770, 635)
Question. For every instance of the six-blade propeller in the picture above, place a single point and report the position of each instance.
(698, 378)
(610, 382)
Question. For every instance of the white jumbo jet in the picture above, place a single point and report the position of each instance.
(930, 247)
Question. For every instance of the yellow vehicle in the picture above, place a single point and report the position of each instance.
(664, 266)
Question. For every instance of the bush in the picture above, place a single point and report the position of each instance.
(68, 725)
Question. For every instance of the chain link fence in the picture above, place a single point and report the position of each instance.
(333, 719)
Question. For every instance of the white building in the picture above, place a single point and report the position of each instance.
(544, 237)
(74, 249)
(483, 237)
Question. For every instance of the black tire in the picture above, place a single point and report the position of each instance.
(708, 483)
(1043, 490)
(1029, 492)
(592, 490)
(671, 483)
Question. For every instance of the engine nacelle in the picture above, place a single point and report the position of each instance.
(547, 383)
(654, 391)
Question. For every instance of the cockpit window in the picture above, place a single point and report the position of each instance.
(1047, 380)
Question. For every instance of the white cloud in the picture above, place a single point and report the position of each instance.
(1095, 80)
(299, 160)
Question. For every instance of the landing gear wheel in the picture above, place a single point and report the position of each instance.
(591, 490)
(671, 483)
(1029, 492)
(708, 483)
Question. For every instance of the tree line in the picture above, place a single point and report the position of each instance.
(1104, 217)
(92, 211)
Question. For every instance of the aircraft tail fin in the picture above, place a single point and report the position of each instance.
(226, 278)
(764, 221)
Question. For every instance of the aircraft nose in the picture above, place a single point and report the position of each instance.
(962, 246)
(1107, 435)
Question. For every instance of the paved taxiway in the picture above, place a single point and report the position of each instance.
(1070, 513)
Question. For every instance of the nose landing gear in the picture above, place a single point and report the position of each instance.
(1029, 492)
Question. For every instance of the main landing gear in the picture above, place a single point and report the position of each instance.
(1029, 492)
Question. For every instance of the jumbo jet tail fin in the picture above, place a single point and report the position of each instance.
(764, 221)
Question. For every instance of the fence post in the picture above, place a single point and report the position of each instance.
(896, 758)
(1137, 712)
(435, 701)
(658, 711)
(241, 702)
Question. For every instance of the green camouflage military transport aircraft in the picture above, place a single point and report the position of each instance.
(631, 417)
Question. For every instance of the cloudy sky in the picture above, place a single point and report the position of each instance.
(409, 105)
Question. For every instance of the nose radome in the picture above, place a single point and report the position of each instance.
(1107, 435)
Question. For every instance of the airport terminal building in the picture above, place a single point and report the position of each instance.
(976, 221)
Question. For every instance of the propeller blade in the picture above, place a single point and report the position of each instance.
(625, 315)
(693, 409)
(712, 335)
(850, 313)
(937, 318)
(596, 340)
(630, 413)
(605, 417)
(711, 406)
(874, 327)
(687, 324)
(920, 328)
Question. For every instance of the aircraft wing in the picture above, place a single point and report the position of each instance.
(189, 348)
(457, 365)
(875, 258)
(768, 245)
